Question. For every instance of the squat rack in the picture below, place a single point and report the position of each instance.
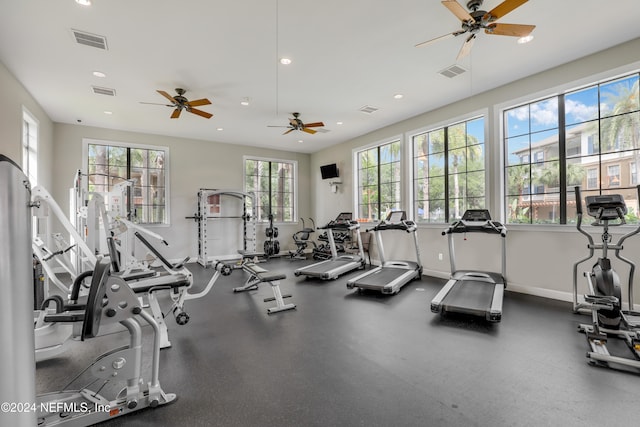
(210, 203)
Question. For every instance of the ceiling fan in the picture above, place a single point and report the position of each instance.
(475, 20)
(296, 124)
(179, 103)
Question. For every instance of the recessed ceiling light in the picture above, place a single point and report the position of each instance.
(108, 113)
(220, 129)
(525, 39)
(338, 123)
(84, 2)
(245, 101)
(285, 61)
(99, 74)
(398, 96)
(300, 141)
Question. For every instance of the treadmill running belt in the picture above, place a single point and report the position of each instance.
(382, 277)
(470, 297)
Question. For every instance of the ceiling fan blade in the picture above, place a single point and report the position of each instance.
(289, 131)
(274, 126)
(311, 131)
(155, 103)
(200, 113)
(502, 9)
(466, 47)
(313, 125)
(446, 36)
(457, 9)
(514, 30)
(176, 113)
(166, 95)
(199, 102)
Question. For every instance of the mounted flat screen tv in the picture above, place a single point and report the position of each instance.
(329, 171)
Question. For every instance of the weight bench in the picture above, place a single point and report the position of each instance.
(259, 275)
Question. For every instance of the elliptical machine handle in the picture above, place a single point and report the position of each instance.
(578, 200)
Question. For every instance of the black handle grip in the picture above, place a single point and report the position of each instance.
(578, 199)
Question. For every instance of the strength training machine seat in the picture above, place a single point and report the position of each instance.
(259, 275)
(476, 293)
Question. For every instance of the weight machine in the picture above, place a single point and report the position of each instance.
(216, 205)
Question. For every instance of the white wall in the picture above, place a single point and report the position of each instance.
(12, 100)
(193, 165)
(539, 259)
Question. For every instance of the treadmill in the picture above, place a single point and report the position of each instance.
(476, 293)
(390, 276)
(336, 265)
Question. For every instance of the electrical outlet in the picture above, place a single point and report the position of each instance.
(440, 256)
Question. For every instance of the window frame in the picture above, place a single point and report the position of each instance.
(470, 117)
(29, 146)
(355, 153)
(601, 83)
(270, 160)
(167, 169)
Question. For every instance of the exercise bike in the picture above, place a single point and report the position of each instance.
(604, 298)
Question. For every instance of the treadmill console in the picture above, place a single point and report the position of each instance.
(476, 220)
(344, 221)
(396, 220)
(476, 215)
(396, 217)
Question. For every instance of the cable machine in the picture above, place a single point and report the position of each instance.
(216, 205)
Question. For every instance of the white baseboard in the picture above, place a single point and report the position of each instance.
(514, 287)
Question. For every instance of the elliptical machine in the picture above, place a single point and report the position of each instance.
(604, 300)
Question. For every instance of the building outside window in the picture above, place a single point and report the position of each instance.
(109, 164)
(379, 173)
(584, 134)
(273, 184)
(449, 171)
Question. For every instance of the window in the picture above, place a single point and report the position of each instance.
(589, 137)
(449, 171)
(592, 178)
(273, 182)
(379, 188)
(613, 174)
(531, 128)
(109, 164)
(30, 147)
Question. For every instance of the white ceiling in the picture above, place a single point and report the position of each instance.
(346, 54)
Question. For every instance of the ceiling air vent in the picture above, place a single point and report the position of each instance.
(89, 39)
(369, 109)
(451, 72)
(103, 91)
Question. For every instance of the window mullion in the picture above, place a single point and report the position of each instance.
(446, 174)
(562, 154)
